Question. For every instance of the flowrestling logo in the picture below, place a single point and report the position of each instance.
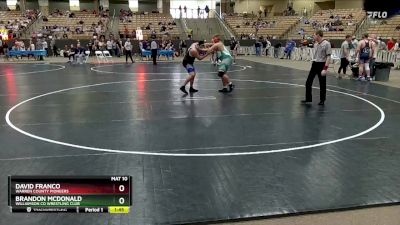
(381, 9)
(377, 14)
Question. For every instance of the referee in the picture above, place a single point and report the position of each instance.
(322, 57)
(154, 49)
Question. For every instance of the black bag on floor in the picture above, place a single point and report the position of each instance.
(355, 69)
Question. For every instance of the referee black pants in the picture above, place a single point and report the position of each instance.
(154, 56)
(316, 69)
(128, 53)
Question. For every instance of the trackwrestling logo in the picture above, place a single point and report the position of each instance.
(377, 14)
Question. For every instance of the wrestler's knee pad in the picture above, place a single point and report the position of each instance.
(367, 66)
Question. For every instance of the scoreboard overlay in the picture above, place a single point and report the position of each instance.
(69, 194)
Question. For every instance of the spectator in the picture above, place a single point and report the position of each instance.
(79, 54)
(344, 55)
(198, 11)
(289, 48)
(234, 45)
(114, 48)
(381, 45)
(109, 45)
(277, 48)
(64, 52)
(71, 53)
(153, 34)
(90, 47)
(45, 46)
(396, 46)
(258, 46)
(39, 44)
(354, 43)
(390, 44)
(266, 45)
(396, 49)
(301, 32)
(101, 44)
(163, 28)
(207, 10)
(53, 46)
(128, 50)
(133, 34)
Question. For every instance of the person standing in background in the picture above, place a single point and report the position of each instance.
(344, 55)
(53, 46)
(207, 10)
(266, 45)
(390, 44)
(128, 50)
(109, 46)
(31, 48)
(154, 49)
(258, 46)
(375, 40)
(39, 46)
(396, 49)
(234, 45)
(183, 47)
(277, 49)
(354, 43)
(45, 46)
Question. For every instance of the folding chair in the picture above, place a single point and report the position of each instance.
(335, 59)
(107, 56)
(146, 54)
(100, 57)
(87, 54)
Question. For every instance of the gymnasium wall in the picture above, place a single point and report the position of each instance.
(349, 4)
(147, 6)
(143, 6)
(118, 7)
(324, 5)
(32, 5)
(3, 5)
(254, 5)
(298, 5)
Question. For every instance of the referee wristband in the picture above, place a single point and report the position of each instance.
(325, 67)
